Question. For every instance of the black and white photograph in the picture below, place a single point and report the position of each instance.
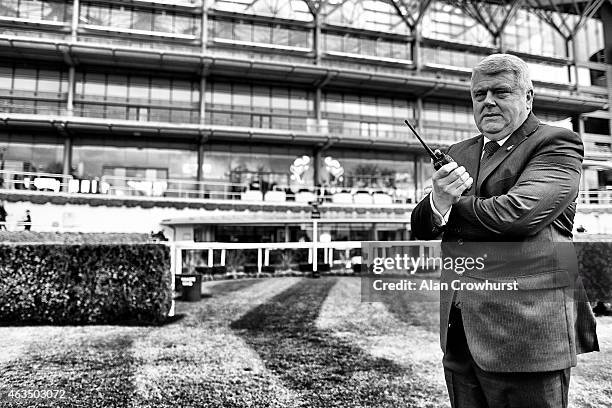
(306, 203)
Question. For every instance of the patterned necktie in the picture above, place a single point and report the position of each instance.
(489, 149)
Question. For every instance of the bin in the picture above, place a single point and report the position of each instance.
(191, 287)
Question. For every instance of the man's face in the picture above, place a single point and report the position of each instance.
(500, 105)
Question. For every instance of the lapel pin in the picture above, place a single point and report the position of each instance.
(509, 148)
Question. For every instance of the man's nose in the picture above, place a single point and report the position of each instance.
(489, 99)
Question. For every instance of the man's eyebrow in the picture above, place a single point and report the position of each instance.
(495, 88)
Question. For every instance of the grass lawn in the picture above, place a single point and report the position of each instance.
(283, 342)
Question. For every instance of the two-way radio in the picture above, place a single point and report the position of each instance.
(439, 158)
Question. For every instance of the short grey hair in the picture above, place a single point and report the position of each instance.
(498, 63)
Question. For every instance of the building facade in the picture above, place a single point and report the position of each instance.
(265, 106)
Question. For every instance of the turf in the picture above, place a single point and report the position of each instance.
(283, 342)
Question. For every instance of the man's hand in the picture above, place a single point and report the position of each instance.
(449, 182)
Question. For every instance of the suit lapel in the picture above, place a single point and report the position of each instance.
(509, 146)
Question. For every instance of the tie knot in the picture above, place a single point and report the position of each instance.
(490, 148)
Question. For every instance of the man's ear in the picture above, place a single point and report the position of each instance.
(529, 99)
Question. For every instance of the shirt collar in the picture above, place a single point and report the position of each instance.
(499, 142)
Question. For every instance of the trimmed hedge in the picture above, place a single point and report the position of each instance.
(83, 284)
(595, 266)
(32, 237)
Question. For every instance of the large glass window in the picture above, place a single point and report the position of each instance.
(32, 90)
(32, 154)
(390, 173)
(445, 22)
(96, 161)
(257, 165)
(262, 33)
(258, 106)
(367, 46)
(589, 40)
(529, 34)
(46, 10)
(134, 97)
(370, 15)
(285, 9)
(448, 122)
(355, 116)
(137, 18)
(450, 58)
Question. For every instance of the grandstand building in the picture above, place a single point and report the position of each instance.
(225, 120)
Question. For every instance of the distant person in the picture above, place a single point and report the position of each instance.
(158, 236)
(3, 215)
(27, 221)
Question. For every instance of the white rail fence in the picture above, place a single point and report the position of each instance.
(263, 250)
(425, 248)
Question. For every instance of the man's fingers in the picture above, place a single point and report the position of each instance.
(460, 173)
(444, 170)
(459, 186)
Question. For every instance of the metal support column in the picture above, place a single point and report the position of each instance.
(66, 160)
(204, 26)
(317, 39)
(71, 86)
(75, 20)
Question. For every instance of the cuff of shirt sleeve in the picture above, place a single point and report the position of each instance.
(439, 219)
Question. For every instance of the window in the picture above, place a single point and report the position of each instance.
(97, 15)
(143, 20)
(138, 19)
(299, 38)
(49, 81)
(242, 32)
(117, 88)
(160, 89)
(280, 35)
(120, 17)
(163, 22)
(184, 25)
(262, 34)
(181, 92)
(30, 9)
(139, 89)
(333, 42)
(223, 29)
(6, 78)
(9, 8)
(25, 80)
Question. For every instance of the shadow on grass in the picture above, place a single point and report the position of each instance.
(323, 369)
(91, 372)
(224, 287)
(417, 308)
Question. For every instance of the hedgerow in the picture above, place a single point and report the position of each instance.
(84, 284)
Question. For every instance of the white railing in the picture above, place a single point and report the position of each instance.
(168, 189)
(263, 250)
(38, 181)
(119, 186)
(601, 197)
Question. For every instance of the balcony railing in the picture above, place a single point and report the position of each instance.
(214, 190)
(601, 197)
(219, 190)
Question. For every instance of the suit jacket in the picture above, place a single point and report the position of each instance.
(519, 214)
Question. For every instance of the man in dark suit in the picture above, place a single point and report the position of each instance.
(510, 196)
